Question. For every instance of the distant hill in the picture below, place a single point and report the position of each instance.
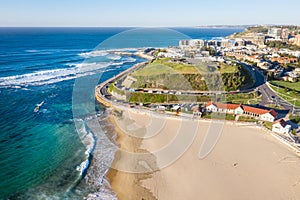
(225, 26)
(250, 31)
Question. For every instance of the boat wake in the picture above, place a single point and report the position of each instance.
(38, 106)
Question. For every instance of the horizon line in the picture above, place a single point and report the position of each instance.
(178, 26)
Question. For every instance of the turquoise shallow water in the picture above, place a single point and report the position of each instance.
(40, 152)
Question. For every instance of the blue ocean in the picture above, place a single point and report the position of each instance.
(44, 153)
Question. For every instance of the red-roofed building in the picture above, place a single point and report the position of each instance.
(284, 60)
(239, 109)
(224, 108)
(280, 126)
(253, 58)
(262, 114)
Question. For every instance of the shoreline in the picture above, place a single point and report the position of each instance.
(113, 176)
(154, 185)
(117, 178)
(132, 186)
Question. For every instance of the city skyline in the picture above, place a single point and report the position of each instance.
(156, 13)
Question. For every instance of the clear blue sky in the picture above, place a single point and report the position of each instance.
(147, 13)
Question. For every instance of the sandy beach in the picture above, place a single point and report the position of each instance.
(246, 163)
(128, 185)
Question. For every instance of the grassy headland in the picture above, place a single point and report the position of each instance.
(168, 74)
(249, 31)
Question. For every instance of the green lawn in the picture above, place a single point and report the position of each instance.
(218, 116)
(295, 119)
(274, 106)
(139, 97)
(112, 88)
(247, 119)
(268, 125)
(167, 66)
(230, 69)
(290, 96)
(289, 85)
(243, 98)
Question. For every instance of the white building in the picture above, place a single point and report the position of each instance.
(191, 44)
(197, 43)
(297, 71)
(275, 33)
(227, 43)
(281, 127)
(264, 65)
(239, 109)
(279, 33)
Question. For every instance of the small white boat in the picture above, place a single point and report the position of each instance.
(38, 106)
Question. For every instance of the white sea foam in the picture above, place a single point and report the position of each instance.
(130, 60)
(108, 53)
(54, 50)
(126, 60)
(83, 166)
(74, 70)
(117, 63)
(218, 38)
(124, 49)
(97, 143)
(113, 57)
(96, 53)
(87, 138)
(31, 51)
(52, 76)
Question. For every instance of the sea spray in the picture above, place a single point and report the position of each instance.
(89, 140)
(103, 155)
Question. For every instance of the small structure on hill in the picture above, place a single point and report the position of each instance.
(128, 82)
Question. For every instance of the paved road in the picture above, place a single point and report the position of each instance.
(268, 95)
(260, 79)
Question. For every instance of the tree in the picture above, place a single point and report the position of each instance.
(270, 76)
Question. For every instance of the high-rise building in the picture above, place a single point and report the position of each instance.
(279, 33)
(285, 34)
(297, 40)
(194, 44)
(275, 33)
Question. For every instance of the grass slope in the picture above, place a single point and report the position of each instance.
(167, 74)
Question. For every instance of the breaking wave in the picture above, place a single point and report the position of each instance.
(108, 53)
(94, 54)
(52, 76)
(101, 149)
(217, 38)
(74, 70)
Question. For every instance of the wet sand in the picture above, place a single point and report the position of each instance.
(246, 163)
(128, 186)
